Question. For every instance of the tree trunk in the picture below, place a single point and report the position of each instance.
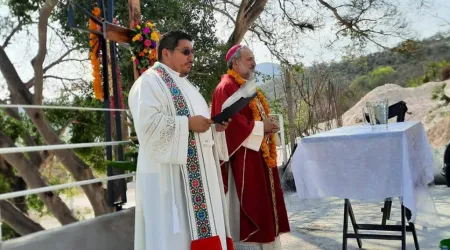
(21, 223)
(249, 11)
(290, 108)
(77, 167)
(16, 184)
(33, 178)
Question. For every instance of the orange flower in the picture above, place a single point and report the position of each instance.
(269, 151)
(94, 56)
(153, 55)
(96, 11)
(141, 54)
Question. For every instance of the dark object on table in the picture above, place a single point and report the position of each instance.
(398, 109)
(228, 112)
(286, 176)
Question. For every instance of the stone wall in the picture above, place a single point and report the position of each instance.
(111, 231)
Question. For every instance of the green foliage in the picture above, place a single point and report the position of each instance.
(24, 9)
(432, 73)
(84, 127)
(380, 75)
(8, 233)
(438, 93)
(375, 78)
(4, 185)
(36, 204)
(191, 17)
(410, 48)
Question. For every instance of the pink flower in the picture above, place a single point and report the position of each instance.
(147, 43)
(146, 30)
(136, 61)
(140, 38)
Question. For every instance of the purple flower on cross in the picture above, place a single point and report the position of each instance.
(153, 45)
(146, 30)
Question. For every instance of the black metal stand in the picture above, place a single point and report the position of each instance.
(348, 211)
(115, 188)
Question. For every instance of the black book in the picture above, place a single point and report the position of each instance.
(228, 112)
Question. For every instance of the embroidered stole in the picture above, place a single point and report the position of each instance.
(201, 225)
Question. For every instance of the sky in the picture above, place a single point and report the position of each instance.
(424, 22)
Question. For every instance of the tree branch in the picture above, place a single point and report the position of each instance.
(223, 12)
(12, 78)
(18, 221)
(352, 24)
(38, 61)
(61, 78)
(13, 32)
(66, 125)
(33, 178)
(61, 59)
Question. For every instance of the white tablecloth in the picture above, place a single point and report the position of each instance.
(370, 164)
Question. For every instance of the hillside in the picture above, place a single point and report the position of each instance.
(415, 59)
(432, 113)
(434, 116)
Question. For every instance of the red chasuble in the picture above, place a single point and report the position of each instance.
(263, 213)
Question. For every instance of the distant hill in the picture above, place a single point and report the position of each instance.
(268, 69)
(406, 66)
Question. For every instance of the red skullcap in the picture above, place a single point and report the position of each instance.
(232, 51)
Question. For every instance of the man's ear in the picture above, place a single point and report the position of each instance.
(165, 53)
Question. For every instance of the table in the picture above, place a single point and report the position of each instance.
(369, 163)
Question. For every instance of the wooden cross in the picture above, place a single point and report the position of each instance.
(112, 33)
(121, 34)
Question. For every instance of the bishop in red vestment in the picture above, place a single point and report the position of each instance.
(257, 209)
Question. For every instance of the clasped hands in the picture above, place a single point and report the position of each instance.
(271, 125)
(201, 124)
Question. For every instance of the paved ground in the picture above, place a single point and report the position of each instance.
(318, 224)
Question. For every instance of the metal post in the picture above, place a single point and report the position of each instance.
(1, 233)
(118, 115)
(107, 113)
(283, 140)
(282, 135)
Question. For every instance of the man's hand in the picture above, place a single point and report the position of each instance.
(223, 126)
(199, 124)
(270, 125)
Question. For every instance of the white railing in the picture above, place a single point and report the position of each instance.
(11, 150)
(60, 146)
(58, 107)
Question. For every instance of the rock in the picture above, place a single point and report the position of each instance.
(434, 116)
(447, 89)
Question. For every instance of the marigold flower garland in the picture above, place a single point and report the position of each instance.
(269, 150)
(143, 46)
(94, 43)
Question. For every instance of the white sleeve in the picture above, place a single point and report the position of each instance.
(254, 140)
(220, 142)
(163, 137)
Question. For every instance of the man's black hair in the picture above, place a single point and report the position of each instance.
(170, 41)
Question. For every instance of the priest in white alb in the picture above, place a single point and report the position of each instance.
(180, 202)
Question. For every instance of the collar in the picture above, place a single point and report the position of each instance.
(170, 70)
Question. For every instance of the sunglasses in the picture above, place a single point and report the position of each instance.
(186, 52)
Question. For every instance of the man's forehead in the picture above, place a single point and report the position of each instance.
(246, 52)
(185, 43)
